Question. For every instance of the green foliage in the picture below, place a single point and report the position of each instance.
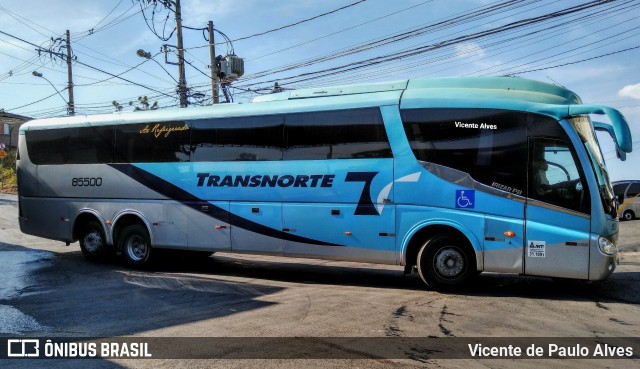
(116, 105)
(8, 178)
(143, 104)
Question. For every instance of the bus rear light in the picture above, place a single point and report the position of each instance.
(509, 234)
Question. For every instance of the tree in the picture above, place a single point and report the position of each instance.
(144, 104)
(116, 105)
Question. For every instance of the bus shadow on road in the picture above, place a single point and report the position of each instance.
(79, 298)
(621, 286)
(295, 271)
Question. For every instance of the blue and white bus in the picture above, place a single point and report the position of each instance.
(447, 177)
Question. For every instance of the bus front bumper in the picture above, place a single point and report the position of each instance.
(604, 258)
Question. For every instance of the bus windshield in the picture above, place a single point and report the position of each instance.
(583, 127)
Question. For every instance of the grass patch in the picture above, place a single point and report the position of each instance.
(8, 177)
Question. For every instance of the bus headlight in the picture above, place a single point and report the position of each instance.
(607, 247)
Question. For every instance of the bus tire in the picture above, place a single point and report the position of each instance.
(445, 262)
(135, 246)
(628, 215)
(93, 242)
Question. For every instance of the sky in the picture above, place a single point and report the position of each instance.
(590, 47)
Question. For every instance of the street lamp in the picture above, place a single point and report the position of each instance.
(38, 74)
(147, 55)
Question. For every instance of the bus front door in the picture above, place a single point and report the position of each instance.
(557, 223)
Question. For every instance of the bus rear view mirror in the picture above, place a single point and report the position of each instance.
(604, 127)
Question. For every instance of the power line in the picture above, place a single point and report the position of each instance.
(374, 61)
(62, 56)
(115, 76)
(24, 21)
(108, 14)
(440, 56)
(117, 20)
(299, 22)
(152, 26)
(340, 31)
(505, 44)
(119, 77)
(579, 61)
(35, 102)
(459, 18)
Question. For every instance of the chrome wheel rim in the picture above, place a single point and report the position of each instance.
(449, 262)
(136, 248)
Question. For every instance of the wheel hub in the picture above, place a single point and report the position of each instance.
(449, 262)
(136, 248)
(93, 241)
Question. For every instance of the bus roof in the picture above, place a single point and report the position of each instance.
(494, 92)
(512, 88)
(509, 93)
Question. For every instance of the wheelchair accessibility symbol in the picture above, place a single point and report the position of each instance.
(465, 199)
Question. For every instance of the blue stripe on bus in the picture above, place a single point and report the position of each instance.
(176, 193)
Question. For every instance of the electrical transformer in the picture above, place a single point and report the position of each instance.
(231, 68)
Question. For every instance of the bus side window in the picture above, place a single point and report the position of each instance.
(89, 145)
(554, 175)
(619, 190)
(633, 191)
(336, 134)
(151, 142)
(488, 144)
(252, 138)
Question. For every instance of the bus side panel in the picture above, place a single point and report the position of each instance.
(27, 172)
(46, 217)
(171, 230)
(93, 181)
(412, 218)
(250, 240)
(208, 226)
(348, 235)
(162, 218)
(559, 248)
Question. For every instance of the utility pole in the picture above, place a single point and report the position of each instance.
(71, 107)
(214, 66)
(182, 82)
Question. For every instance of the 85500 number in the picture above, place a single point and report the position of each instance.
(86, 182)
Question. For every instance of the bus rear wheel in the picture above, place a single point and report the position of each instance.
(445, 262)
(135, 245)
(93, 243)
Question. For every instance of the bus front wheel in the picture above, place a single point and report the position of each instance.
(93, 243)
(135, 245)
(445, 262)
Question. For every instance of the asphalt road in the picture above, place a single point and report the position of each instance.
(48, 289)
